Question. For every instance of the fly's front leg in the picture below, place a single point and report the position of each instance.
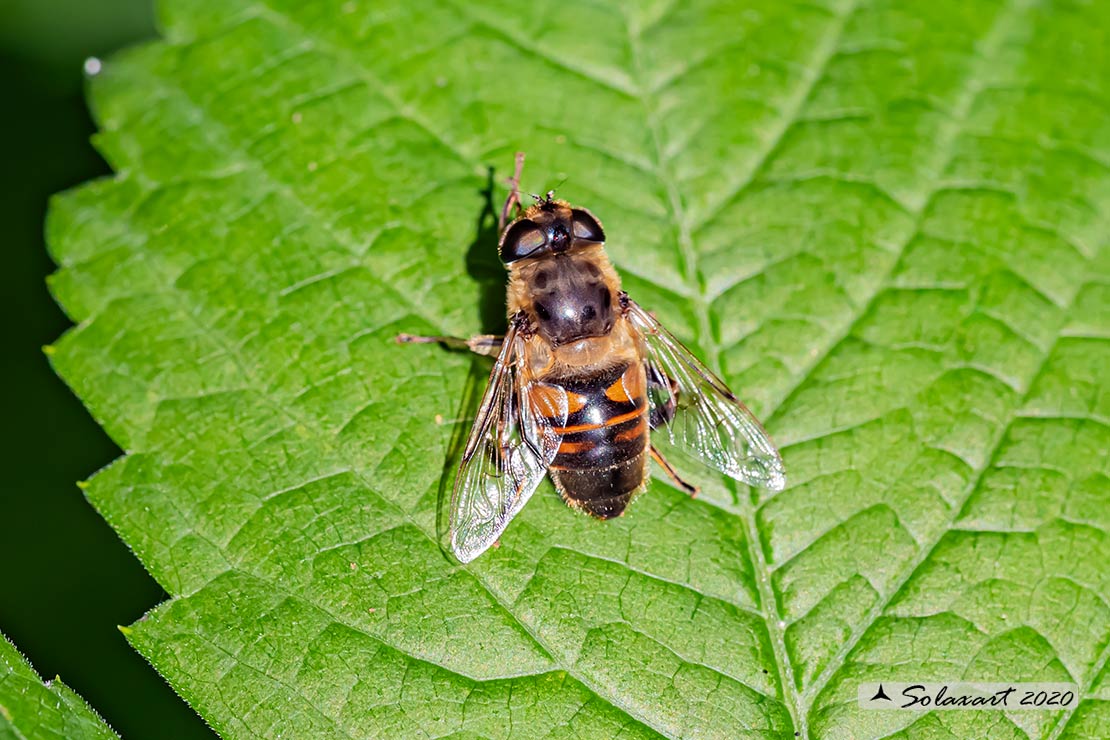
(690, 488)
(482, 344)
(514, 194)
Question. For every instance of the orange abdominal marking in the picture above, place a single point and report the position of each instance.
(547, 397)
(573, 448)
(619, 419)
(616, 392)
(632, 433)
(628, 388)
(575, 402)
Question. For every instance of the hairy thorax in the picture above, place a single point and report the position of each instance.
(567, 297)
(584, 357)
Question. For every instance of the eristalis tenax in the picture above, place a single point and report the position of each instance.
(581, 378)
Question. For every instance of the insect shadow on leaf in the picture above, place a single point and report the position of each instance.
(484, 265)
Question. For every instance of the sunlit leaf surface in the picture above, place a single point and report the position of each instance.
(885, 223)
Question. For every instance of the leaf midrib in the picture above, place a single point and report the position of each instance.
(815, 71)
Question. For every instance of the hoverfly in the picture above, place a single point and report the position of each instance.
(581, 377)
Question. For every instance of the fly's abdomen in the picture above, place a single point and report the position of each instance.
(602, 460)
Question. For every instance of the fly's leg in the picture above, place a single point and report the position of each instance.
(482, 344)
(514, 194)
(663, 412)
(672, 473)
(662, 415)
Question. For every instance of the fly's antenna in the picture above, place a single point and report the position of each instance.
(544, 200)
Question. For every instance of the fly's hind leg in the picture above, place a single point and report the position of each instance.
(662, 413)
(514, 194)
(482, 344)
(690, 488)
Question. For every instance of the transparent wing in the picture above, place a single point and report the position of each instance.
(700, 414)
(510, 446)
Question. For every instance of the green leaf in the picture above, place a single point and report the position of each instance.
(885, 223)
(32, 710)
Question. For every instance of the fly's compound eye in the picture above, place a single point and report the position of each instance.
(586, 227)
(522, 239)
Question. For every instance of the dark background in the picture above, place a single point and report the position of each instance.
(66, 580)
